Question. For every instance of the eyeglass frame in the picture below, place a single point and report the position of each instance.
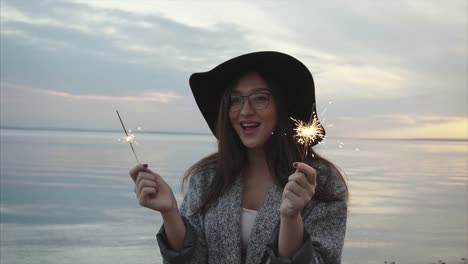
(250, 101)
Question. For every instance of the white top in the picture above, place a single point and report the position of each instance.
(247, 222)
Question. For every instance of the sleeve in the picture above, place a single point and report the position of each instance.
(194, 248)
(324, 226)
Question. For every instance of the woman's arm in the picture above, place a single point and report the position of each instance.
(296, 195)
(184, 242)
(175, 229)
(291, 235)
(323, 226)
(154, 193)
(323, 236)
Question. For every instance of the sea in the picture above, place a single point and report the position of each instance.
(66, 196)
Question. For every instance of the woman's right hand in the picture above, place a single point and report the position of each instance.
(151, 190)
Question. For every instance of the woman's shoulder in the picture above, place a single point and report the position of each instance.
(201, 173)
(331, 184)
(322, 166)
(201, 178)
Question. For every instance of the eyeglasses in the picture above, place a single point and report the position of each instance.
(258, 101)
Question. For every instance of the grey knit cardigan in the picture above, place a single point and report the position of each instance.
(215, 237)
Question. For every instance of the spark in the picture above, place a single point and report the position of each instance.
(129, 137)
(308, 133)
(326, 108)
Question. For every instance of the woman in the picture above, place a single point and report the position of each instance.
(255, 200)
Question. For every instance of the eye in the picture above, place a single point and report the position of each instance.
(259, 98)
(235, 100)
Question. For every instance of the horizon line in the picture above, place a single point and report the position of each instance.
(72, 129)
(206, 134)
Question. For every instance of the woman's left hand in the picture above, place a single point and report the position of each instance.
(299, 190)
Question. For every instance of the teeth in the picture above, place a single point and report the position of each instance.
(249, 125)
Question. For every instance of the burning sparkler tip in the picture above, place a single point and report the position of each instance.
(129, 137)
(308, 133)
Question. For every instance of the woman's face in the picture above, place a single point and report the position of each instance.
(252, 110)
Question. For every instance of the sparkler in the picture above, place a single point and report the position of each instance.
(129, 137)
(307, 133)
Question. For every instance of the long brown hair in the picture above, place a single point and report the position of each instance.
(281, 150)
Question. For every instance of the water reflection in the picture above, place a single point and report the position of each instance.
(68, 197)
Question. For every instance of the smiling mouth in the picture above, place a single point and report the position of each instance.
(249, 126)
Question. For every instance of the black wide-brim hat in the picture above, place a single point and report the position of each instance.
(296, 84)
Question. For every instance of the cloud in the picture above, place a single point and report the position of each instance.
(400, 126)
(362, 81)
(454, 129)
(423, 41)
(26, 106)
(204, 15)
(416, 119)
(147, 36)
(83, 49)
(148, 96)
(161, 97)
(423, 127)
(372, 58)
(12, 14)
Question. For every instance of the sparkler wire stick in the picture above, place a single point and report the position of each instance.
(126, 133)
(304, 152)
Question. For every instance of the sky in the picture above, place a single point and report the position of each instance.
(382, 69)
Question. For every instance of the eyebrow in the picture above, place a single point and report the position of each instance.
(255, 90)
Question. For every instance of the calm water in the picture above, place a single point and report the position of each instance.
(66, 197)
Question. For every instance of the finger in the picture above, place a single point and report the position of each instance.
(301, 179)
(294, 200)
(135, 170)
(310, 172)
(144, 176)
(287, 193)
(157, 176)
(147, 174)
(145, 183)
(299, 191)
(146, 193)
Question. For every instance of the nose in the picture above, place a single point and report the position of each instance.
(246, 108)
